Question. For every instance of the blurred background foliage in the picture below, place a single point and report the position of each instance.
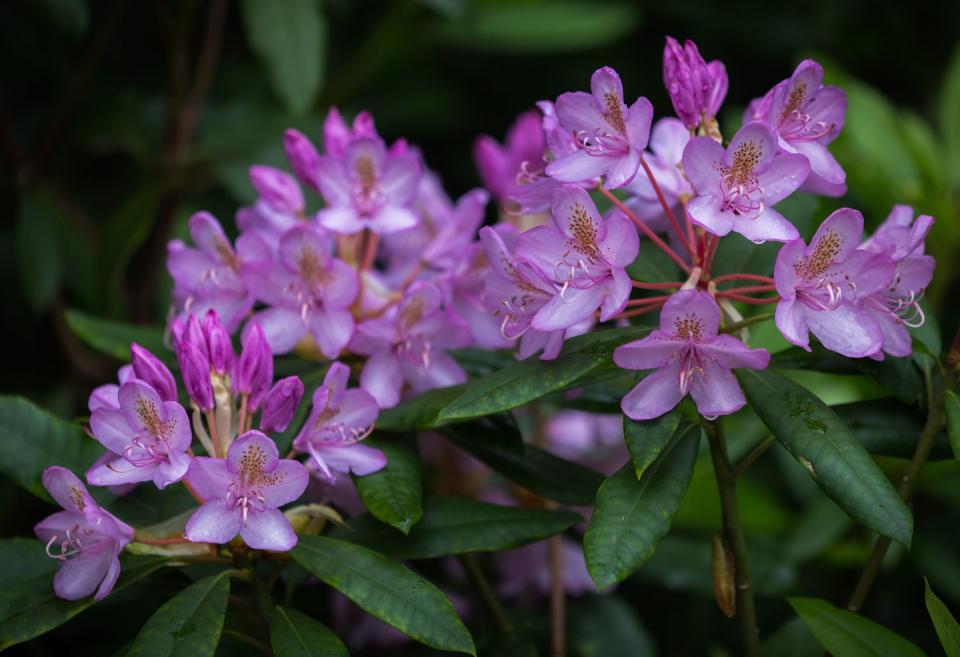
(120, 119)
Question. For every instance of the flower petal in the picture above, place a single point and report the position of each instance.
(356, 459)
(269, 530)
(716, 391)
(706, 213)
(730, 353)
(651, 352)
(78, 577)
(288, 481)
(214, 522)
(574, 306)
(381, 377)
(846, 331)
(769, 225)
(701, 159)
(655, 395)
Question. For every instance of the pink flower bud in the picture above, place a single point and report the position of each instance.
(280, 404)
(336, 134)
(218, 343)
(195, 372)
(696, 88)
(195, 335)
(150, 369)
(278, 188)
(255, 367)
(303, 157)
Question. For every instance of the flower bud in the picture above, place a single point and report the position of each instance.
(195, 372)
(278, 188)
(696, 89)
(336, 134)
(280, 404)
(255, 367)
(195, 335)
(150, 369)
(303, 156)
(218, 343)
(722, 572)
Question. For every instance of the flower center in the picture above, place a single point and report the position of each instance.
(75, 540)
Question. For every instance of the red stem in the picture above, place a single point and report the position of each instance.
(666, 207)
(644, 229)
(752, 288)
(655, 286)
(743, 277)
(743, 299)
(689, 222)
(646, 300)
(712, 243)
(160, 541)
(638, 311)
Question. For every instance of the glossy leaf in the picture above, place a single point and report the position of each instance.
(584, 359)
(632, 516)
(792, 639)
(28, 606)
(456, 525)
(607, 626)
(290, 38)
(30, 437)
(114, 338)
(421, 412)
(846, 634)
(836, 460)
(949, 110)
(294, 634)
(948, 630)
(646, 440)
(187, 625)
(387, 590)
(395, 494)
(951, 405)
(533, 468)
(887, 427)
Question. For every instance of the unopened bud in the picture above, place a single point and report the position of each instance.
(150, 369)
(724, 585)
(280, 404)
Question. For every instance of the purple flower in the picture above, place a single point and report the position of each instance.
(407, 345)
(309, 291)
(254, 371)
(107, 395)
(303, 157)
(279, 206)
(280, 404)
(339, 420)
(84, 537)
(590, 439)
(806, 115)
(337, 136)
(689, 356)
(897, 305)
(610, 135)
(585, 257)
(696, 88)
(533, 189)
(822, 287)
(667, 141)
(368, 187)
(243, 493)
(219, 345)
(148, 368)
(737, 187)
(149, 437)
(208, 276)
(193, 355)
(501, 165)
(525, 572)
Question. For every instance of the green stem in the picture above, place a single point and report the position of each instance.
(749, 321)
(754, 454)
(733, 533)
(479, 582)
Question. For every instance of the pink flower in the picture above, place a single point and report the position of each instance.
(534, 189)
(585, 256)
(500, 165)
(339, 420)
(279, 207)
(148, 436)
(667, 141)
(611, 136)
(823, 286)
(696, 88)
(107, 395)
(280, 404)
(84, 537)
(806, 115)
(737, 187)
(689, 356)
(242, 494)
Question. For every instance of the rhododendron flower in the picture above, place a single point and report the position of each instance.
(308, 291)
(585, 256)
(150, 369)
(254, 371)
(611, 137)
(500, 165)
(208, 276)
(339, 420)
(897, 305)
(280, 404)
(822, 286)
(591, 439)
(368, 187)
(667, 141)
(806, 115)
(242, 495)
(737, 187)
(108, 395)
(407, 345)
(689, 356)
(84, 537)
(696, 88)
(279, 206)
(337, 135)
(149, 437)
(533, 191)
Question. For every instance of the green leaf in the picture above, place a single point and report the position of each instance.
(187, 625)
(949, 110)
(536, 469)
(606, 626)
(887, 427)
(951, 405)
(645, 440)
(39, 250)
(124, 232)
(393, 495)
(632, 516)
(294, 634)
(846, 634)
(30, 437)
(114, 338)
(28, 605)
(456, 525)
(823, 524)
(792, 639)
(290, 38)
(544, 27)
(584, 359)
(421, 412)
(948, 630)
(819, 440)
(387, 590)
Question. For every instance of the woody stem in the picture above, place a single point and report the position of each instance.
(644, 228)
